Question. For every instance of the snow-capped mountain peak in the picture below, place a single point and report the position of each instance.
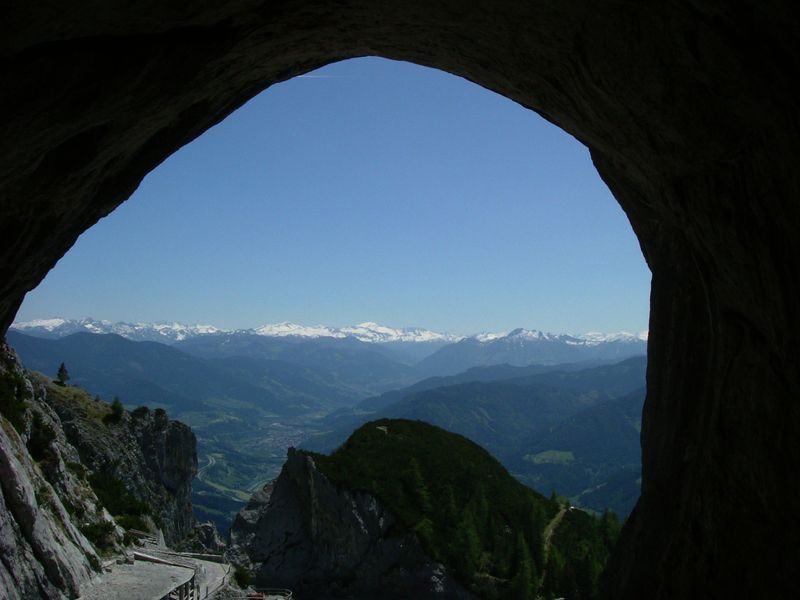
(596, 337)
(368, 332)
(293, 329)
(489, 336)
(532, 335)
(154, 332)
(519, 334)
(376, 333)
(592, 338)
(171, 332)
(46, 324)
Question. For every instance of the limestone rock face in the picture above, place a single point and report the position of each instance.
(154, 457)
(47, 449)
(303, 533)
(204, 538)
(43, 554)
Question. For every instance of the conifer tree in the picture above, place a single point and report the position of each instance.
(468, 545)
(449, 508)
(117, 410)
(524, 584)
(418, 487)
(63, 375)
(538, 521)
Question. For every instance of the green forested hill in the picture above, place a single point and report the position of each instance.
(594, 456)
(468, 512)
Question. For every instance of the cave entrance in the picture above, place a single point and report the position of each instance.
(689, 113)
(370, 190)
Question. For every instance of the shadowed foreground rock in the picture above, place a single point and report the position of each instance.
(303, 533)
(688, 108)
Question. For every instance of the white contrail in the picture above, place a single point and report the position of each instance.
(322, 76)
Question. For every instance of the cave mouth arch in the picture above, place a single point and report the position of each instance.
(133, 261)
(689, 113)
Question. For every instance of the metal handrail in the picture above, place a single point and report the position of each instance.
(283, 592)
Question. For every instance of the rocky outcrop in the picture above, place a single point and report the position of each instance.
(43, 554)
(155, 458)
(203, 538)
(303, 533)
(51, 440)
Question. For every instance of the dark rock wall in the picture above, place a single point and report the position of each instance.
(326, 543)
(689, 111)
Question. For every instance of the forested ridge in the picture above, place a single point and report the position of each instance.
(470, 514)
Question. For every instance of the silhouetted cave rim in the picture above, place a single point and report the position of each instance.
(688, 110)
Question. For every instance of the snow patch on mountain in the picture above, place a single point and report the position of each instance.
(153, 332)
(375, 333)
(489, 336)
(46, 324)
(596, 337)
(592, 338)
(293, 329)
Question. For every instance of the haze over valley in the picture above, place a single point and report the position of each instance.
(251, 394)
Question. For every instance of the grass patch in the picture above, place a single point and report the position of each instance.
(551, 457)
(78, 399)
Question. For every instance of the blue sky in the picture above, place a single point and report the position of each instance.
(371, 190)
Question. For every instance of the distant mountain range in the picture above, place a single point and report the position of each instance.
(432, 352)
(369, 332)
(168, 333)
(523, 347)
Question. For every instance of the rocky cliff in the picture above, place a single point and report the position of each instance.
(53, 442)
(43, 552)
(304, 533)
(153, 457)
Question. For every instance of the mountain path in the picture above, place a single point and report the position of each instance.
(549, 530)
